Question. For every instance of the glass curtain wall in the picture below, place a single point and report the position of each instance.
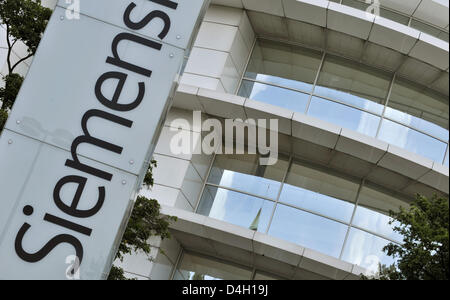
(403, 19)
(193, 266)
(350, 95)
(303, 204)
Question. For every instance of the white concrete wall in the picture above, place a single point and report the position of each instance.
(178, 178)
(158, 265)
(217, 62)
(220, 51)
(178, 183)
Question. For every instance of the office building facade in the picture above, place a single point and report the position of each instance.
(360, 93)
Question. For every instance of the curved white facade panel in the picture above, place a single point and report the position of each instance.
(318, 132)
(358, 23)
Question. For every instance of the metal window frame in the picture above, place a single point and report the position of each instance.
(311, 94)
(277, 201)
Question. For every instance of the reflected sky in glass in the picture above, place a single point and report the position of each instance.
(289, 83)
(349, 99)
(193, 267)
(376, 222)
(412, 140)
(235, 208)
(248, 183)
(344, 116)
(362, 247)
(308, 230)
(312, 201)
(288, 99)
(418, 123)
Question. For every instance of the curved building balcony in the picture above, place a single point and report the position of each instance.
(352, 95)
(362, 108)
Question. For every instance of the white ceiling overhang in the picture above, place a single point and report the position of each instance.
(329, 146)
(252, 249)
(370, 39)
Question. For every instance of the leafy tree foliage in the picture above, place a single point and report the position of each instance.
(3, 117)
(9, 93)
(25, 20)
(424, 253)
(145, 222)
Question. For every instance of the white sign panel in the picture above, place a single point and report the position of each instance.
(82, 131)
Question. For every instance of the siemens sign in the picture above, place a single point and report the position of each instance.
(82, 132)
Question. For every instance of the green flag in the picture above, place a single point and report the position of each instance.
(255, 223)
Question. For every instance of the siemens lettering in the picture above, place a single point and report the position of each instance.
(113, 103)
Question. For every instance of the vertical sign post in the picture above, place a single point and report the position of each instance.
(82, 131)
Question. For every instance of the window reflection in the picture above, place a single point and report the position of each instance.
(309, 203)
(344, 116)
(243, 172)
(194, 267)
(283, 82)
(319, 192)
(418, 123)
(373, 209)
(399, 18)
(283, 65)
(431, 30)
(412, 140)
(281, 97)
(349, 99)
(308, 230)
(349, 94)
(366, 250)
(264, 276)
(375, 222)
(236, 208)
(421, 103)
(353, 83)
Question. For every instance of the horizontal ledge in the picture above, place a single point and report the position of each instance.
(284, 254)
(318, 132)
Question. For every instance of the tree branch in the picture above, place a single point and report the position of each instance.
(21, 60)
(8, 57)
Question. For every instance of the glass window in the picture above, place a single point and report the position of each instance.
(421, 103)
(308, 230)
(388, 14)
(356, 4)
(285, 65)
(431, 30)
(273, 95)
(319, 192)
(193, 267)
(375, 222)
(415, 122)
(243, 172)
(265, 276)
(412, 140)
(236, 208)
(373, 212)
(443, 35)
(366, 250)
(344, 116)
(353, 83)
(373, 198)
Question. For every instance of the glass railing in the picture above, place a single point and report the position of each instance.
(353, 112)
(400, 18)
(308, 206)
